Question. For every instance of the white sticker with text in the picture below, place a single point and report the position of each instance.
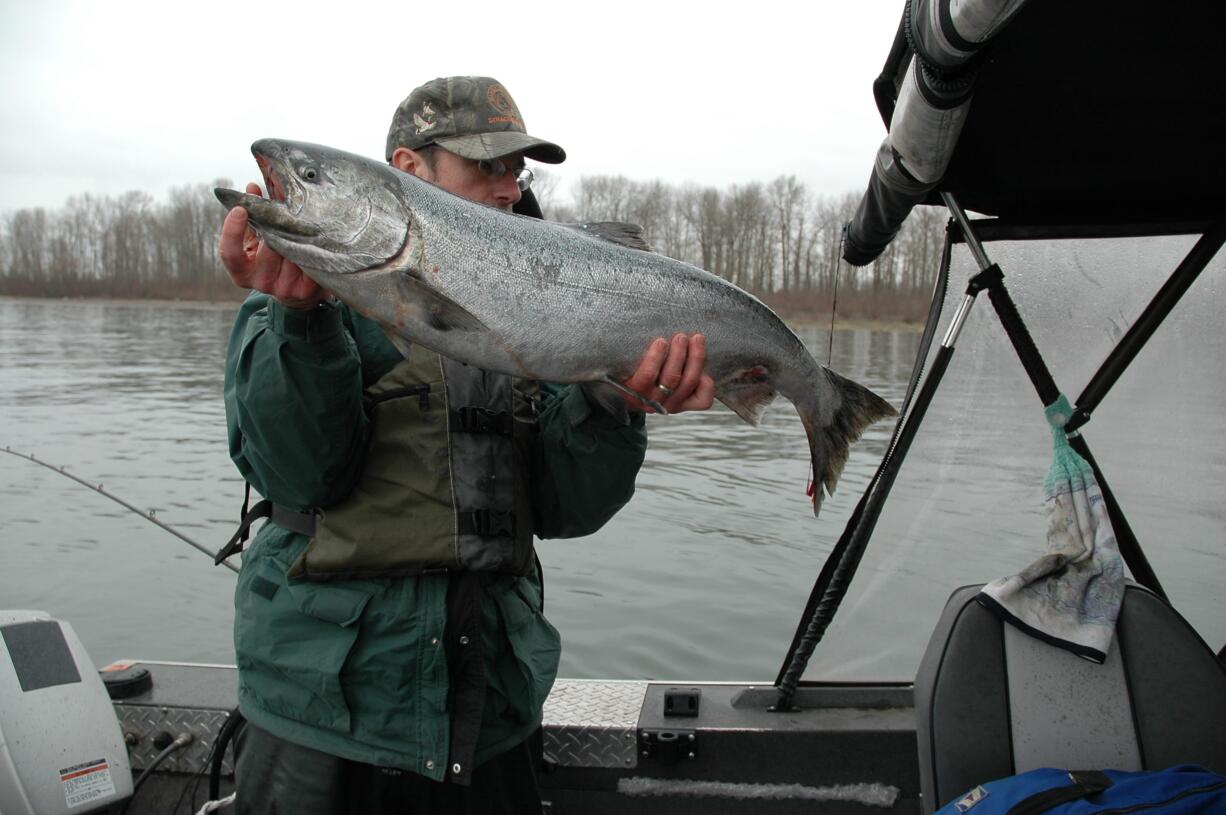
(87, 782)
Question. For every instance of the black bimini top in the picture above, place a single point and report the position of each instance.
(1051, 112)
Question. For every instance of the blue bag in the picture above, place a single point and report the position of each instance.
(1181, 790)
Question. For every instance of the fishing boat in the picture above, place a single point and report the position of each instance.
(1074, 147)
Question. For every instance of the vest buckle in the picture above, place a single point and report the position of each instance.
(488, 523)
(482, 420)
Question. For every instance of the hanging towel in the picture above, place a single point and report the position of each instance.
(1071, 596)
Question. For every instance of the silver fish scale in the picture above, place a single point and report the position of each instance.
(601, 303)
(544, 301)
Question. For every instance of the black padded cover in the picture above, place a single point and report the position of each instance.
(1176, 684)
(962, 702)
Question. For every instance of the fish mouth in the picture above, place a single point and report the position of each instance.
(280, 211)
(267, 215)
(285, 187)
(281, 186)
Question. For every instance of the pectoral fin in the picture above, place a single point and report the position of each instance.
(402, 345)
(652, 403)
(436, 309)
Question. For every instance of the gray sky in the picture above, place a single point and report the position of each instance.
(106, 97)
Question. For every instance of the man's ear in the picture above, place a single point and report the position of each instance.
(410, 162)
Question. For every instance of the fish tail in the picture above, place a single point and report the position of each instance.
(855, 408)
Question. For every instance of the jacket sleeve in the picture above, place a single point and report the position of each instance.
(293, 394)
(586, 463)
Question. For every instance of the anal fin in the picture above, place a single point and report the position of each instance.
(748, 393)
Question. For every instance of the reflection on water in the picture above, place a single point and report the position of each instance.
(129, 397)
(701, 576)
(705, 572)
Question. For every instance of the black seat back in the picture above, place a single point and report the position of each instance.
(992, 701)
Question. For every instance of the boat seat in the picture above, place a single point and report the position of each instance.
(992, 701)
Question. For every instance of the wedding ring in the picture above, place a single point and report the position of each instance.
(665, 388)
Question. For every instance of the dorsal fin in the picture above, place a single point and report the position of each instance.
(622, 234)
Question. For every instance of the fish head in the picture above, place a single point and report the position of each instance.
(327, 210)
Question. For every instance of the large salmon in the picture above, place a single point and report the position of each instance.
(534, 299)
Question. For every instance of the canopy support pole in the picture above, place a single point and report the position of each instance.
(1139, 332)
(840, 567)
(1048, 391)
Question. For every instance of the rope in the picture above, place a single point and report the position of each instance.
(210, 806)
(834, 309)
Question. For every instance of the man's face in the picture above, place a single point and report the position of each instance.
(463, 177)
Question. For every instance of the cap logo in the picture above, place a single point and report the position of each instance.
(502, 103)
(425, 120)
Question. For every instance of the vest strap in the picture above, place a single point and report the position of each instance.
(482, 420)
(486, 523)
(422, 392)
(300, 522)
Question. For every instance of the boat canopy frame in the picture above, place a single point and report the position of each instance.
(1100, 112)
(1096, 119)
(840, 566)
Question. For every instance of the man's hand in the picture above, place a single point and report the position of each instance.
(672, 373)
(252, 265)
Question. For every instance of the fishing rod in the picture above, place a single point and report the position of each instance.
(149, 516)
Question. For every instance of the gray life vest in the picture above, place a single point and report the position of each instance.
(445, 483)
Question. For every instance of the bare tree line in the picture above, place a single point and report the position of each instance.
(127, 246)
(777, 240)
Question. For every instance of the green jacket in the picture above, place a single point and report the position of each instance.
(357, 668)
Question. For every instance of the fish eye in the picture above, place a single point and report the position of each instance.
(308, 173)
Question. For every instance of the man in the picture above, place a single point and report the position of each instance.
(389, 634)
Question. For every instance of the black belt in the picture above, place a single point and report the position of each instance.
(301, 522)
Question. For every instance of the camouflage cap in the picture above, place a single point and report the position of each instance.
(471, 116)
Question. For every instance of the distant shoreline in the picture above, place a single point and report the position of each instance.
(131, 301)
(795, 321)
(853, 324)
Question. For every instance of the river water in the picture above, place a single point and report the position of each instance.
(702, 576)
